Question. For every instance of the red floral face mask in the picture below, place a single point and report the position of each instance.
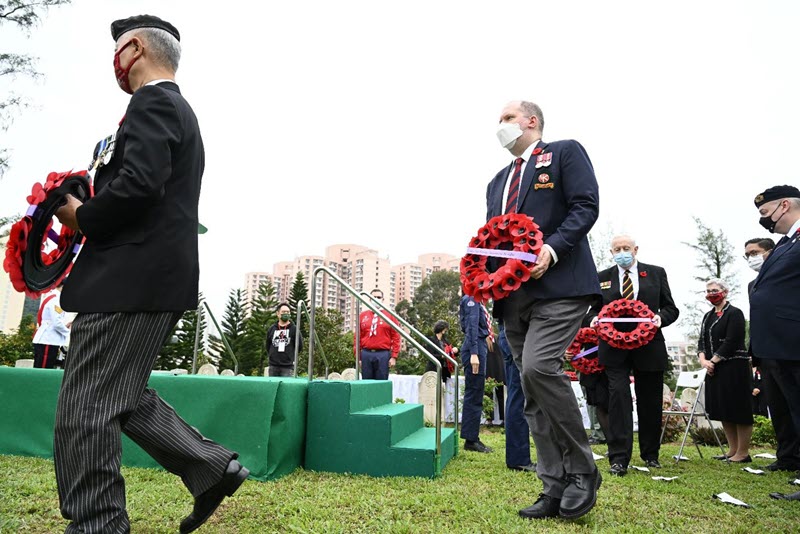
(122, 74)
(715, 298)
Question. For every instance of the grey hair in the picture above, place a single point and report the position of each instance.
(165, 48)
(533, 110)
(721, 283)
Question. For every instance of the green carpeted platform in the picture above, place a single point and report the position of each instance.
(263, 419)
(353, 427)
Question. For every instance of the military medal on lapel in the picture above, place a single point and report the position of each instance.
(544, 182)
(605, 285)
(544, 160)
(104, 152)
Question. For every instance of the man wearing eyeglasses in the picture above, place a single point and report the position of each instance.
(380, 343)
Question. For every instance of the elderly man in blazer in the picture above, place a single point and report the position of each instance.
(555, 184)
(631, 279)
(137, 274)
(775, 299)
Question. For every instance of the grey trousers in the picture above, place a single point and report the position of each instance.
(104, 393)
(539, 333)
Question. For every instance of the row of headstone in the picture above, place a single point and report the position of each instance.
(427, 396)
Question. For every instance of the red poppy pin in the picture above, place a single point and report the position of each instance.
(537, 151)
(643, 274)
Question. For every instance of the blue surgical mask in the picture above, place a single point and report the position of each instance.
(623, 259)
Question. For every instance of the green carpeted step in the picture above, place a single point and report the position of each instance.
(400, 420)
(366, 394)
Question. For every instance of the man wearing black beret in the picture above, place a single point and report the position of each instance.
(775, 298)
(136, 275)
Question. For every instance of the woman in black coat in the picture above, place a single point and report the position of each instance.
(438, 338)
(729, 379)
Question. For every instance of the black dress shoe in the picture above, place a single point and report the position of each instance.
(208, 501)
(580, 494)
(595, 441)
(476, 446)
(531, 467)
(618, 470)
(783, 497)
(653, 463)
(777, 466)
(545, 506)
(745, 460)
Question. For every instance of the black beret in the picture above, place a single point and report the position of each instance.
(118, 27)
(775, 193)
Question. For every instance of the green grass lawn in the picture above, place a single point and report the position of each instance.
(476, 493)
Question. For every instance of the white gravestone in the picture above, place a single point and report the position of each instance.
(334, 376)
(227, 372)
(349, 374)
(207, 369)
(24, 362)
(427, 396)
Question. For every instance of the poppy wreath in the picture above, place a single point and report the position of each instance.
(639, 337)
(514, 229)
(31, 269)
(585, 365)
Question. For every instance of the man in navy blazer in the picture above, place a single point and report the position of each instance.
(555, 184)
(775, 298)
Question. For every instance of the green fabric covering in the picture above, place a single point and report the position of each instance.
(263, 419)
(353, 427)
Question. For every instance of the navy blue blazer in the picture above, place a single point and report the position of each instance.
(775, 304)
(564, 201)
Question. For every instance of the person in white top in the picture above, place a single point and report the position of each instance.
(52, 331)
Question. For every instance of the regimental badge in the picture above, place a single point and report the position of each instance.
(104, 152)
(544, 160)
(759, 198)
(605, 285)
(548, 185)
(544, 178)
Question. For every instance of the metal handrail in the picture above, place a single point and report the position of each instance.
(224, 339)
(302, 305)
(435, 346)
(391, 324)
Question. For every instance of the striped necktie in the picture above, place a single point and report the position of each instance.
(513, 189)
(627, 285)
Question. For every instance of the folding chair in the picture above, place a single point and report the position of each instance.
(695, 380)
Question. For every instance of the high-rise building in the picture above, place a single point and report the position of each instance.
(283, 275)
(253, 280)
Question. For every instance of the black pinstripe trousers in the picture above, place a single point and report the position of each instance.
(104, 392)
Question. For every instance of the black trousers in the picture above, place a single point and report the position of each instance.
(104, 393)
(45, 356)
(649, 390)
(788, 452)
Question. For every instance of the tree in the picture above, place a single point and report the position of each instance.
(436, 298)
(263, 314)
(19, 344)
(24, 15)
(233, 326)
(337, 345)
(299, 292)
(715, 259)
(178, 352)
(407, 312)
(600, 244)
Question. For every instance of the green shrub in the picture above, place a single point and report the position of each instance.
(763, 431)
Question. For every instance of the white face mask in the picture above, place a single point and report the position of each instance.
(755, 262)
(508, 133)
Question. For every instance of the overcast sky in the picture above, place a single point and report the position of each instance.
(373, 122)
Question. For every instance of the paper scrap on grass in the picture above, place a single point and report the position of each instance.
(665, 479)
(643, 469)
(683, 458)
(724, 497)
(795, 482)
(597, 456)
(753, 471)
(766, 455)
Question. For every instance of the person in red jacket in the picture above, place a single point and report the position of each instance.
(380, 343)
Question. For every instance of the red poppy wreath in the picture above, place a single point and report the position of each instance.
(585, 361)
(32, 265)
(624, 310)
(493, 239)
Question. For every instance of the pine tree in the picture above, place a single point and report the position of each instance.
(178, 351)
(299, 292)
(263, 314)
(233, 326)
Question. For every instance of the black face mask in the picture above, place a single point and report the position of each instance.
(767, 221)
